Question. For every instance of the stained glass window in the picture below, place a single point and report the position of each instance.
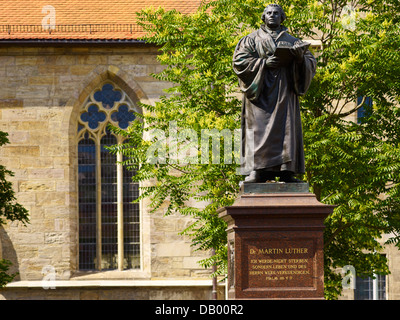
(366, 110)
(109, 241)
(87, 202)
(131, 221)
(109, 232)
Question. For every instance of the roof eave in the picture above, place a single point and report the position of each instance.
(41, 42)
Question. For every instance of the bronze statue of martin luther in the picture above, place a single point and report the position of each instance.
(274, 69)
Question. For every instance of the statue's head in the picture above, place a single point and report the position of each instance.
(273, 15)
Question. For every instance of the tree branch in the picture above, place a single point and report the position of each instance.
(337, 231)
(359, 106)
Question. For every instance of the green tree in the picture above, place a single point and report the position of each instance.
(353, 165)
(10, 210)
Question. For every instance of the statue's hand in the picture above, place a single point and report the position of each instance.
(273, 62)
(298, 53)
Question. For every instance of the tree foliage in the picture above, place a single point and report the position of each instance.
(354, 165)
(9, 210)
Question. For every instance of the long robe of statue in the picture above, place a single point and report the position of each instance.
(271, 101)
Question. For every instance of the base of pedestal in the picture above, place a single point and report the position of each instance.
(275, 243)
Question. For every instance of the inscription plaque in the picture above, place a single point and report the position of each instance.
(280, 264)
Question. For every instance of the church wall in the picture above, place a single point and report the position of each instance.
(41, 92)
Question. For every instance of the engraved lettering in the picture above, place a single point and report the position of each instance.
(278, 251)
(283, 263)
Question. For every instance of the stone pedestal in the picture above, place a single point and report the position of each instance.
(275, 242)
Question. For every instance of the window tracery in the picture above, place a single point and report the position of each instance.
(109, 223)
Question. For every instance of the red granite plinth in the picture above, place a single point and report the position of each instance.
(275, 245)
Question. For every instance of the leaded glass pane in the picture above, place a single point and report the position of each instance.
(87, 203)
(123, 116)
(93, 116)
(131, 221)
(108, 96)
(365, 287)
(109, 240)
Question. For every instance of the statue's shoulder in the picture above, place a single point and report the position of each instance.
(253, 35)
(247, 41)
(250, 37)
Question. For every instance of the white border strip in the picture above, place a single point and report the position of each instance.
(113, 283)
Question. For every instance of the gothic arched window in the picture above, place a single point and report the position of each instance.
(109, 223)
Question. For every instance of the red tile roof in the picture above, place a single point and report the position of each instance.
(80, 19)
